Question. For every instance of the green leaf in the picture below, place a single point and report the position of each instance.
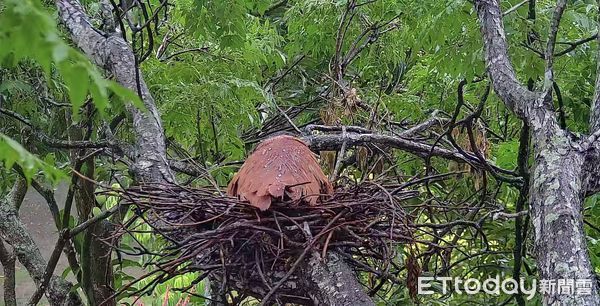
(27, 31)
(506, 154)
(127, 95)
(12, 152)
(76, 80)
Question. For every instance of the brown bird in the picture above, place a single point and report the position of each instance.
(280, 167)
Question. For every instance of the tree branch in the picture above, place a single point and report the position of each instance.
(423, 126)
(520, 234)
(335, 141)
(505, 82)
(14, 232)
(58, 143)
(64, 237)
(7, 259)
(549, 55)
(151, 165)
(514, 8)
(115, 55)
(575, 44)
(561, 106)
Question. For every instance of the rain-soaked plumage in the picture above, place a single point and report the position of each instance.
(281, 167)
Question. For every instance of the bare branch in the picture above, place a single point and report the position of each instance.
(574, 45)
(180, 52)
(504, 215)
(58, 143)
(41, 289)
(17, 193)
(561, 106)
(507, 86)
(549, 55)
(334, 142)
(520, 224)
(425, 125)
(534, 50)
(514, 8)
(340, 157)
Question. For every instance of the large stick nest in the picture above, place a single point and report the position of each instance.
(249, 250)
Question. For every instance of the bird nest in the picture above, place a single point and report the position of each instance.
(249, 250)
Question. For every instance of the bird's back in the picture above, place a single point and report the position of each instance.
(280, 166)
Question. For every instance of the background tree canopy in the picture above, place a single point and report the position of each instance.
(486, 109)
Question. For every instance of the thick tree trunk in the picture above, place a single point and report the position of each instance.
(317, 281)
(556, 199)
(333, 282)
(111, 52)
(562, 172)
(100, 278)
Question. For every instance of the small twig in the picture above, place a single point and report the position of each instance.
(340, 157)
(424, 125)
(590, 224)
(276, 80)
(324, 252)
(49, 271)
(575, 44)
(180, 52)
(514, 8)
(292, 124)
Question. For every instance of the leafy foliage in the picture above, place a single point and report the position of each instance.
(13, 153)
(226, 68)
(29, 32)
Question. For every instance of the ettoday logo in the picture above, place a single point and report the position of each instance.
(492, 286)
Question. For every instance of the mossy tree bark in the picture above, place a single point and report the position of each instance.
(561, 174)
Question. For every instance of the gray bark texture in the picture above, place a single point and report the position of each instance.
(561, 172)
(113, 54)
(14, 232)
(327, 142)
(333, 281)
(7, 259)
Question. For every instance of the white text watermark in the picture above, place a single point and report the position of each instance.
(495, 286)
